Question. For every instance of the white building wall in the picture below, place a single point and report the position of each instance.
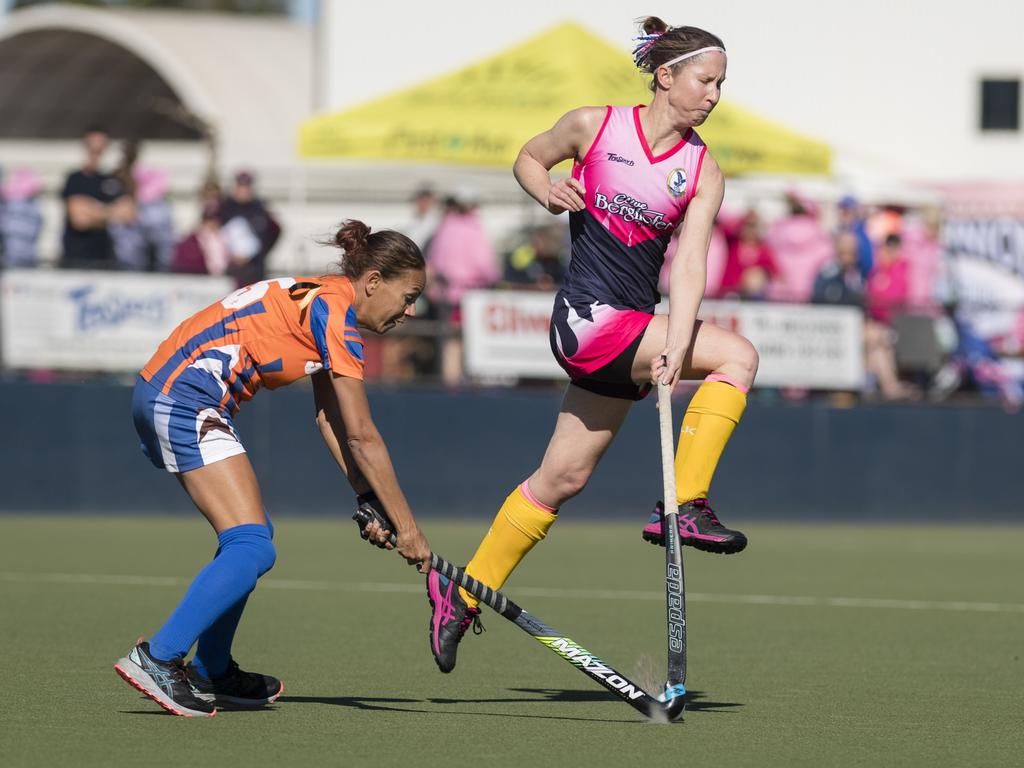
(891, 84)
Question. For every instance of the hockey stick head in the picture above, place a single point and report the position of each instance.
(673, 700)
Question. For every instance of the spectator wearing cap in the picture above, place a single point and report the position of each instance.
(840, 281)
(92, 200)
(20, 218)
(240, 211)
(852, 219)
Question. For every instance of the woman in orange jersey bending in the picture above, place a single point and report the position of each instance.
(266, 334)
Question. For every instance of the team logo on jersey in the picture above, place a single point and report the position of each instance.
(312, 366)
(677, 182)
(632, 210)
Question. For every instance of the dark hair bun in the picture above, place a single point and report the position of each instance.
(389, 252)
(652, 25)
(352, 237)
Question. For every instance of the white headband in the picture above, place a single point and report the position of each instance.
(690, 55)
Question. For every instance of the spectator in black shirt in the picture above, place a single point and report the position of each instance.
(92, 199)
(840, 281)
(243, 208)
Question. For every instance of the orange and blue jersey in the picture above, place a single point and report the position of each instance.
(267, 334)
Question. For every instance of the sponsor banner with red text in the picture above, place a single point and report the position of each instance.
(506, 335)
(96, 321)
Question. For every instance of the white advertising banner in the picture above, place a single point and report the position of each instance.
(97, 321)
(506, 335)
(985, 263)
(800, 345)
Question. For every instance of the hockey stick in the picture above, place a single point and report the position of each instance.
(568, 649)
(675, 591)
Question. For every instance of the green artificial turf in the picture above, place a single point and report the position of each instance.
(820, 645)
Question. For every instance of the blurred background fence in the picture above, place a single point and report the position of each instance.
(66, 444)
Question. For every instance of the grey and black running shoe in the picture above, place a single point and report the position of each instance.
(450, 617)
(165, 682)
(244, 689)
(699, 527)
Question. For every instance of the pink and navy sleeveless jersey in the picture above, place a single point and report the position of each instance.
(634, 201)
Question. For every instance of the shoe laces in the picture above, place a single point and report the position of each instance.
(702, 508)
(471, 617)
(178, 671)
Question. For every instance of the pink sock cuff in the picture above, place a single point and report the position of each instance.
(727, 380)
(525, 488)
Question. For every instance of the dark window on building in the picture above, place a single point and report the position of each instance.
(1000, 105)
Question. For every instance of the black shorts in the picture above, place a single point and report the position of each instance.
(576, 343)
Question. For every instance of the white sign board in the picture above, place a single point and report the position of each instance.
(985, 265)
(506, 334)
(98, 321)
(800, 345)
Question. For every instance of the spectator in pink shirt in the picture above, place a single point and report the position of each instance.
(718, 253)
(923, 254)
(460, 257)
(889, 281)
(801, 248)
(750, 264)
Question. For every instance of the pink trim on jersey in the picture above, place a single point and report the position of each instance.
(696, 177)
(524, 487)
(727, 380)
(643, 139)
(633, 194)
(595, 142)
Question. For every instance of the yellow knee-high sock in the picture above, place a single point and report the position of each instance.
(520, 523)
(713, 413)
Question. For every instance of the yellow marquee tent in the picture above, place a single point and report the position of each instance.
(482, 114)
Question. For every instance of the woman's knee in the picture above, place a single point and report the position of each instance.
(567, 482)
(253, 543)
(747, 358)
(266, 558)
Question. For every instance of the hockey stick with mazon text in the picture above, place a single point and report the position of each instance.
(565, 647)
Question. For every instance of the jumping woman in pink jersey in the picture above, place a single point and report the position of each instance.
(640, 173)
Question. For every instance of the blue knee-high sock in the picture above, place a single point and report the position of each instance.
(246, 553)
(213, 651)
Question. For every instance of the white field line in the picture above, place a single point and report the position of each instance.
(534, 592)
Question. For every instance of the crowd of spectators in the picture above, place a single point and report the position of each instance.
(884, 261)
(121, 219)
